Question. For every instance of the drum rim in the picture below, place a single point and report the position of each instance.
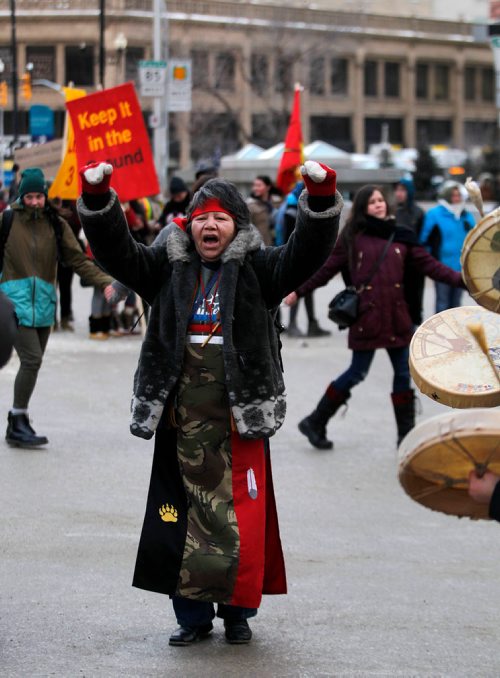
(490, 398)
(493, 297)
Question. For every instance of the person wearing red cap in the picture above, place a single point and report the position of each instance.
(209, 387)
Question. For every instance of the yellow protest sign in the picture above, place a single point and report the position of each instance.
(65, 184)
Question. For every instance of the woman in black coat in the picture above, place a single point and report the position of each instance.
(209, 387)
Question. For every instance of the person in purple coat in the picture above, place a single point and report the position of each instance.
(384, 319)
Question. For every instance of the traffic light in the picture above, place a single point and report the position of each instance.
(4, 92)
(26, 86)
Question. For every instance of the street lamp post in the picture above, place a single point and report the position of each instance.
(160, 108)
(102, 46)
(120, 45)
(13, 49)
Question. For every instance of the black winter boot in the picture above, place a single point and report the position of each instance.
(316, 331)
(21, 434)
(404, 409)
(99, 327)
(314, 426)
(293, 330)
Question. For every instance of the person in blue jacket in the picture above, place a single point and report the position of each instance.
(443, 233)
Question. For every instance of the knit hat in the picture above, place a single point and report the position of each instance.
(177, 185)
(448, 187)
(410, 188)
(32, 181)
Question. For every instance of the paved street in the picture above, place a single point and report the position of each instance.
(378, 585)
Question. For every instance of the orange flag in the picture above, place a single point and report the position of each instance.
(293, 153)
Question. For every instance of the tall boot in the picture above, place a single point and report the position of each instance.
(293, 329)
(20, 433)
(314, 426)
(404, 409)
(97, 329)
(105, 326)
(94, 327)
(316, 331)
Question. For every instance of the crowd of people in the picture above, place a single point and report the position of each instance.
(212, 269)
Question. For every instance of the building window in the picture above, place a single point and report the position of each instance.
(6, 57)
(269, 126)
(213, 134)
(441, 82)
(317, 76)
(391, 79)
(132, 57)
(259, 73)
(335, 130)
(434, 132)
(470, 83)
(43, 59)
(338, 76)
(487, 84)
(283, 75)
(79, 64)
(479, 133)
(422, 81)
(371, 87)
(225, 69)
(200, 66)
(374, 130)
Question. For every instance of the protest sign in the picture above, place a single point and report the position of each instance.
(109, 127)
(65, 185)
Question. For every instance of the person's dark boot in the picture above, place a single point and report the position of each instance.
(404, 409)
(105, 325)
(237, 632)
(293, 330)
(314, 426)
(98, 329)
(188, 635)
(316, 331)
(20, 433)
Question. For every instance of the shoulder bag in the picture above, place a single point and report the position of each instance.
(343, 309)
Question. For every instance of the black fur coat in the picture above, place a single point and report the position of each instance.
(254, 280)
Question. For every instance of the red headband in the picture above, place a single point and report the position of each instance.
(210, 205)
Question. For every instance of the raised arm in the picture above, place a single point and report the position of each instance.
(140, 268)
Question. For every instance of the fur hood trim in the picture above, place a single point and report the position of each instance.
(179, 245)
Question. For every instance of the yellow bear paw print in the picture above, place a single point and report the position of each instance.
(168, 513)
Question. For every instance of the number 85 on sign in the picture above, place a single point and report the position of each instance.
(152, 78)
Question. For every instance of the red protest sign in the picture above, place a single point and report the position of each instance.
(109, 127)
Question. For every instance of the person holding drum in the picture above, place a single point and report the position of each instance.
(443, 233)
(373, 245)
(486, 490)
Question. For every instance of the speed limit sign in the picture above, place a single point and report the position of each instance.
(152, 78)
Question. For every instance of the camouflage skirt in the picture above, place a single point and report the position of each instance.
(210, 532)
(210, 559)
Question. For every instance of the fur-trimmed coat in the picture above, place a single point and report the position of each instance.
(253, 282)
